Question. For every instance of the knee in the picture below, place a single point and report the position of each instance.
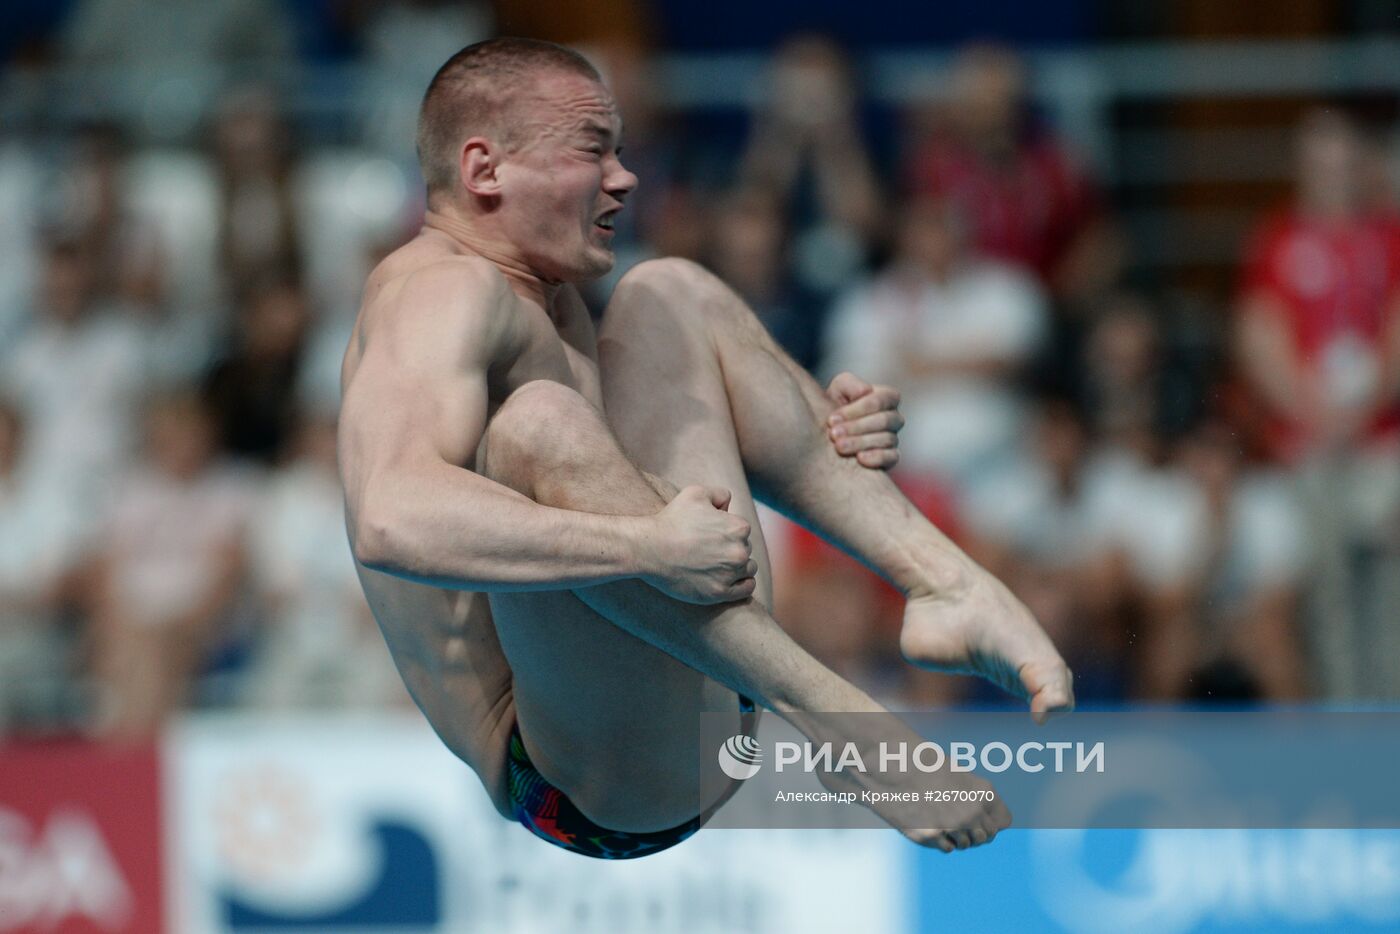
(671, 284)
(666, 273)
(539, 417)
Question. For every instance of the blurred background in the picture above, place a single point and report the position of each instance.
(1134, 267)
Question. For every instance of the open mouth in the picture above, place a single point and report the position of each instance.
(606, 221)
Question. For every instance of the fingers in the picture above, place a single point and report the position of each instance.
(876, 399)
(742, 589)
(878, 458)
(719, 496)
(846, 387)
(880, 439)
(884, 420)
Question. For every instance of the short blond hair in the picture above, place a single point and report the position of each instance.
(472, 94)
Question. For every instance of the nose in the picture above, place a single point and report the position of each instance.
(619, 182)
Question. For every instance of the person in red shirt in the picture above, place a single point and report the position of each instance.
(1319, 315)
(1318, 345)
(1025, 199)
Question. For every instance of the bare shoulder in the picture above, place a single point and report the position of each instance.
(414, 290)
(435, 309)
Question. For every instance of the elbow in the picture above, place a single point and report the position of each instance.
(373, 539)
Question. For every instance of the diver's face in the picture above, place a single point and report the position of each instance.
(564, 183)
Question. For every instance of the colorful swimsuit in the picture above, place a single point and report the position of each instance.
(549, 814)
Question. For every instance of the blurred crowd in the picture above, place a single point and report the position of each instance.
(1193, 518)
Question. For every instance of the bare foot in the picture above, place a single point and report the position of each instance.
(978, 627)
(968, 812)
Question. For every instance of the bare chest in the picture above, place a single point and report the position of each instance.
(563, 355)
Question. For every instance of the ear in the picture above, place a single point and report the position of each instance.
(477, 167)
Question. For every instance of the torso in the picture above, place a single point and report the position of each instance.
(443, 641)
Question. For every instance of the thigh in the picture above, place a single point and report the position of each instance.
(608, 718)
(665, 399)
(611, 720)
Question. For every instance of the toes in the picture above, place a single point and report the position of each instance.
(997, 817)
(1050, 693)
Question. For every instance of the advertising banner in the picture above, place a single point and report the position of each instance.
(81, 839)
(363, 825)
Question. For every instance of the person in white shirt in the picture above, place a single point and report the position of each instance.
(76, 371)
(951, 330)
(170, 566)
(319, 645)
(42, 534)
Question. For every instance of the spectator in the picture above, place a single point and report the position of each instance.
(747, 247)
(254, 160)
(1251, 556)
(320, 647)
(144, 49)
(76, 372)
(1056, 523)
(1319, 317)
(808, 124)
(168, 570)
(1319, 350)
(1134, 389)
(1026, 201)
(806, 150)
(91, 206)
(131, 34)
(252, 391)
(951, 331)
(43, 533)
(405, 41)
(21, 202)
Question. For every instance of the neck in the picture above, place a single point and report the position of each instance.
(469, 238)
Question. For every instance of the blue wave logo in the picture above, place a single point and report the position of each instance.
(406, 895)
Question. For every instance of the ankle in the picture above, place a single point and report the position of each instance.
(940, 572)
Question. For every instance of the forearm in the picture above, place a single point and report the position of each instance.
(452, 528)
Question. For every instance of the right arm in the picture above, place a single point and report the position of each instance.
(415, 409)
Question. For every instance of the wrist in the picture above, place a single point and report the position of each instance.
(641, 543)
